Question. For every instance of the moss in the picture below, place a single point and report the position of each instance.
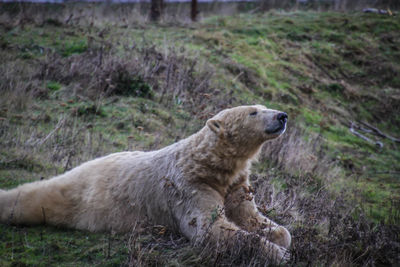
(53, 86)
(73, 47)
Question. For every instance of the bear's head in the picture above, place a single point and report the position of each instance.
(248, 126)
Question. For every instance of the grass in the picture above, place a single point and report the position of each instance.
(40, 246)
(53, 86)
(73, 92)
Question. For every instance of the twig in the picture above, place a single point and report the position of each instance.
(380, 133)
(237, 76)
(362, 255)
(377, 143)
(70, 154)
(58, 126)
(69, 18)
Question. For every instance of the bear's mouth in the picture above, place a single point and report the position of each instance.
(278, 128)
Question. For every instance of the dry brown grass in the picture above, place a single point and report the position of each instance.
(326, 231)
(302, 154)
(91, 80)
(176, 78)
(328, 236)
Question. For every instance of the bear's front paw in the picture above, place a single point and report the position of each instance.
(278, 254)
(278, 235)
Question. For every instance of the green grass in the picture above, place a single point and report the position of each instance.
(53, 86)
(43, 246)
(340, 47)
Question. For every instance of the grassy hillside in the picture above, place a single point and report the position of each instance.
(73, 91)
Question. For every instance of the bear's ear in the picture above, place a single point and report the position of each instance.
(215, 126)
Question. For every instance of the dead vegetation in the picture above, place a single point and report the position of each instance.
(142, 71)
(295, 154)
(295, 190)
(326, 229)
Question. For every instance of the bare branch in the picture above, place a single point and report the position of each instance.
(353, 131)
(58, 126)
(380, 133)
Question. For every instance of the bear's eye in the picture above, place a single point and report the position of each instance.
(253, 113)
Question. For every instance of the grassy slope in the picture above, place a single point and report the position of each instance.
(324, 69)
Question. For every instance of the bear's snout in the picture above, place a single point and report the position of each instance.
(278, 125)
(282, 117)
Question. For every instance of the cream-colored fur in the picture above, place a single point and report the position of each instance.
(198, 186)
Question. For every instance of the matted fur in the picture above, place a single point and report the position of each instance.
(198, 186)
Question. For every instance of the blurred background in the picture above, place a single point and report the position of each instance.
(196, 9)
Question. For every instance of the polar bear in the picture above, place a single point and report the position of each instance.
(198, 186)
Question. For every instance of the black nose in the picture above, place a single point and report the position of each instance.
(282, 117)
